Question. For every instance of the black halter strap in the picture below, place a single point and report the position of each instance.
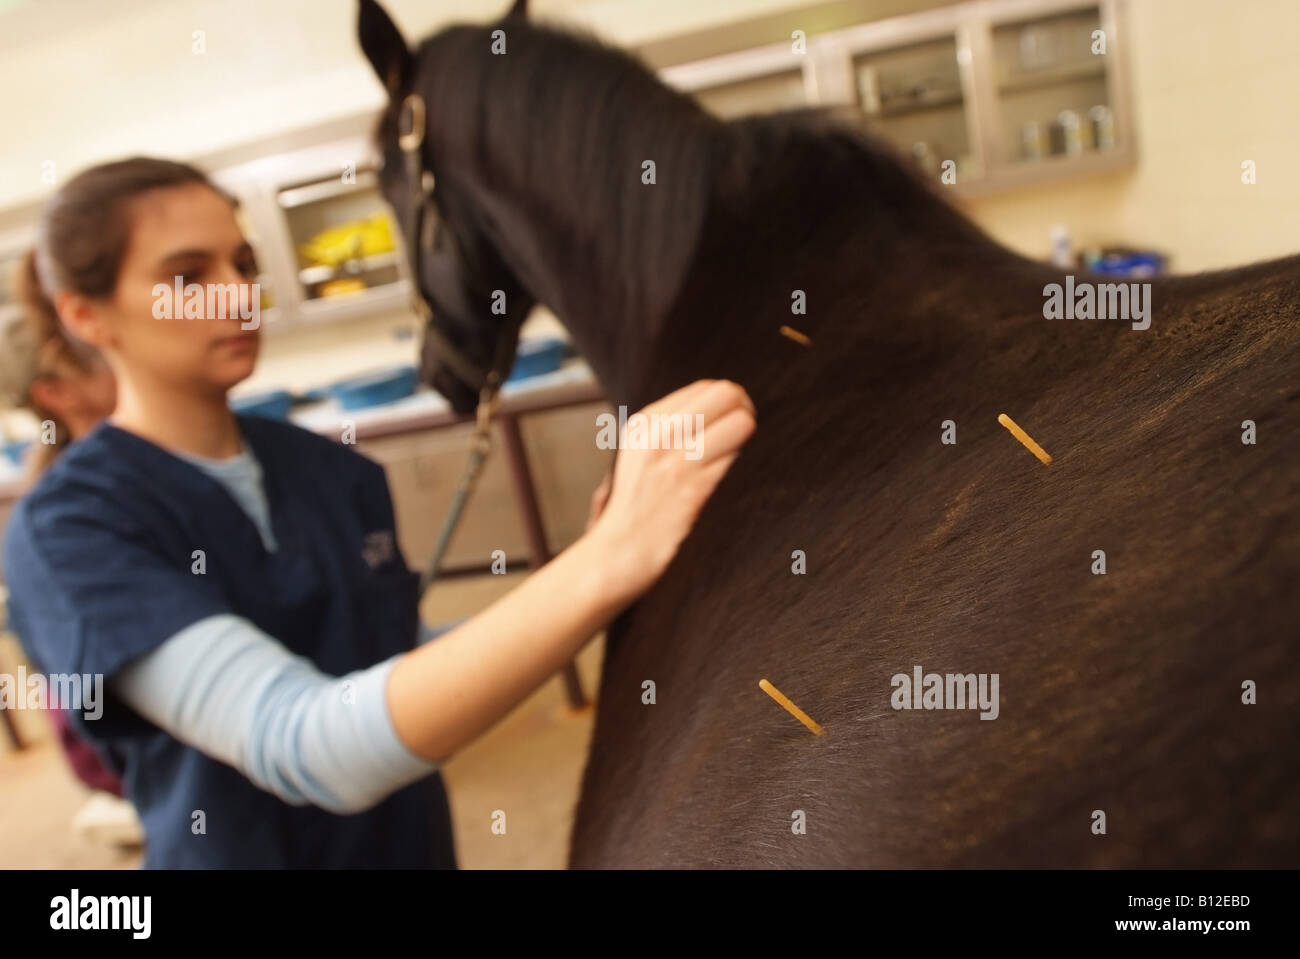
(470, 372)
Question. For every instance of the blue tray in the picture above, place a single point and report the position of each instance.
(273, 404)
(538, 357)
(14, 451)
(375, 389)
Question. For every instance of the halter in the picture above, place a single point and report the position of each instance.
(466, 369)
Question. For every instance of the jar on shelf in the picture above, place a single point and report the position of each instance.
(1034, 141)
(1103, 127)
(1067, 133)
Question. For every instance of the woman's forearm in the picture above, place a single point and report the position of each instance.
(452, 690)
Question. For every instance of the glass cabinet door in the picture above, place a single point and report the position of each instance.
(912, 97)
(343, 236)
(1052, 91)
(769, 93)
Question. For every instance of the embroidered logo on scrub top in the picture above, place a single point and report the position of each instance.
(379, 548)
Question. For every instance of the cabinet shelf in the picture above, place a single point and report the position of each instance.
(1053, 76)
(296, 196)
(939, 100)
(311, 275)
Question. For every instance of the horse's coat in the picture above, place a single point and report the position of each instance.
(1119, 692)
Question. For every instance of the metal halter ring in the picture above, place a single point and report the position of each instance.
(411, 140)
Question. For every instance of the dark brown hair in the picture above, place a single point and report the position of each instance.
(81, 241)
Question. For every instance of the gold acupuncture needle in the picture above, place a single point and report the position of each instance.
(796, 335)
(791, 708)
(1021, 435)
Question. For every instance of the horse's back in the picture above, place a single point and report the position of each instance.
(1124, 693)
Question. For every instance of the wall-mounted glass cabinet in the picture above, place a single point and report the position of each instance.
(1011, 91)
(763, 80)
(1052, 86)
(912, 96)
(326, 240)
(342, 234)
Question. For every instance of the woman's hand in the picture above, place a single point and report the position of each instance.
(658, 493)
(446, 693)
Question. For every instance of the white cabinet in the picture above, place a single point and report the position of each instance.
(1000, 93)
(326, 241)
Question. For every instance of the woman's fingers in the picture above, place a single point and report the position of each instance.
(710, 416)
(678, 399)
(708, 397)
(711, 473)
(724, 436)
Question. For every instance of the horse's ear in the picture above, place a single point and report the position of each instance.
(520, 10)
(384, 48)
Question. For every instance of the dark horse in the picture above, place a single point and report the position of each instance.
(1147, 715)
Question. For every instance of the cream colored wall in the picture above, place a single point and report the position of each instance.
(1214, 83)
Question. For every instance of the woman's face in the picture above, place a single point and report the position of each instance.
(188, 232)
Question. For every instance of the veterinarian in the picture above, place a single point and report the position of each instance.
(237, 581)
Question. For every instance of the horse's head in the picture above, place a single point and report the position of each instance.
(476, 303)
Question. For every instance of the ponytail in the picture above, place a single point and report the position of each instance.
(40, 345)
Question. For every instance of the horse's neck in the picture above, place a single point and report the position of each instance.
(606, 250)
(662, 282)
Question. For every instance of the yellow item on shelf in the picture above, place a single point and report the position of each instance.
(349, 241)
(349, 284)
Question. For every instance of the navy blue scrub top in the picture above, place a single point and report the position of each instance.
(99, 558)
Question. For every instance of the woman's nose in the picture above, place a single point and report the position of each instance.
(248, 296)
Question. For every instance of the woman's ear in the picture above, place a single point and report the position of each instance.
(82, 319)
(384, 47)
